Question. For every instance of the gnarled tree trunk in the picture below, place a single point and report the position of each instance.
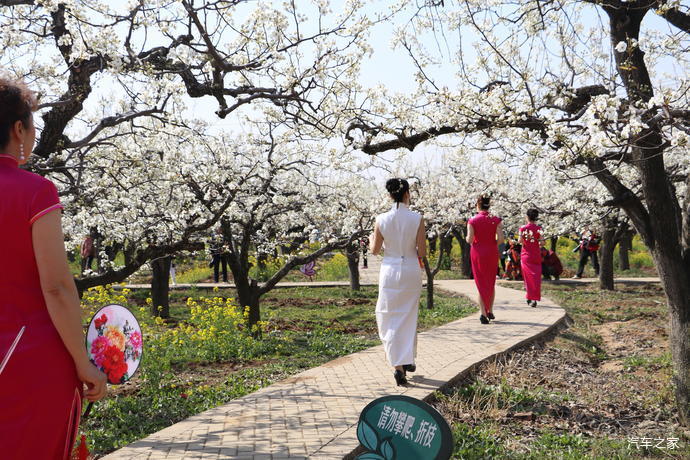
(248, 296)
(432, 244)
(460, 232)
(352, 254)
(624, 248)
(608, 244)
(160, 287)
(446, 246)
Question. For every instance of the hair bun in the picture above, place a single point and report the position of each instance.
(397, 188)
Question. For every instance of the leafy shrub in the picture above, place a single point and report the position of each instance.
(265, 271)
(333, 269)
(195, 274)
(641, 260)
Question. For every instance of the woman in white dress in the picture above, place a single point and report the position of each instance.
(401, 233)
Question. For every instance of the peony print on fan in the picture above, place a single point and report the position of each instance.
(114, 343)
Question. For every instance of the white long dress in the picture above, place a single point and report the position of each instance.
(400, 284)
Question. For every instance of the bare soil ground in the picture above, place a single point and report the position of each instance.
(605, 381)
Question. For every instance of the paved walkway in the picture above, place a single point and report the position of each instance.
(622, 280)
(314, 414)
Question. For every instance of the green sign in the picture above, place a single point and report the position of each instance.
(401, 428)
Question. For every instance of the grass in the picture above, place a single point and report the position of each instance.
(205, 357)
(588, 394)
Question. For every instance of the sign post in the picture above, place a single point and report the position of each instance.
(403, 428)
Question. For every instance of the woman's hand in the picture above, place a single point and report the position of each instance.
(94, 380)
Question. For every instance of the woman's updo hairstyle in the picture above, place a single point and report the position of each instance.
(397, 188)
(484, 202)
(533, 214)
(17, 102)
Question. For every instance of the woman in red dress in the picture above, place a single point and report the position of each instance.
(530, 258)
(484, 231)
(43, 360)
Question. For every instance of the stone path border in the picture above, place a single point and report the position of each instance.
(314, 413)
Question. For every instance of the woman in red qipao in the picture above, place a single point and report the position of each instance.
(43, 360)
(530, 258)
(484, 231)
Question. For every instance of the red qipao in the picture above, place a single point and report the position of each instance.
(40, 394)
(530, 258)
(484, 254)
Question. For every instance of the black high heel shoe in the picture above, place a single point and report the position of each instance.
(409, 367)
(400, 377)
(490, 315)
(483, 319)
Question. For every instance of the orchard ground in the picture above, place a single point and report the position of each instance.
(204, 356)
(600, 389)
(585, 407)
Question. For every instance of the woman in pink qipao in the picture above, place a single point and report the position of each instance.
(43, 360)
(484, 231)
(530, 257)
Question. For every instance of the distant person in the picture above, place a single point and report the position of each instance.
(530, 257)
(588, 245)
(88, 253)
(401, 233)
(484, 231)
(513, 268)
(502, 256)
(551, 266)
(43, 360)
(218, 257)
(173, 272)
(364, 244)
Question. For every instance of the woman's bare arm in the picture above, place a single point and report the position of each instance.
(470, 234)
(421, 239)
(376, 241)
(62, 299)
(499, 233)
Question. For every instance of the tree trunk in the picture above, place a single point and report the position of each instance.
(465, 260)
(248, 296)
(445, 247)
(432, 244)
(160, 287)
(429, 291)
(608, 243)
(460, 232)
(624, 248)
(554, 243)
(430, 274)
(352, 253)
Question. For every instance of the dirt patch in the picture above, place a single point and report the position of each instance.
(298, 302)
(334, 324)
(543, 387)
(637, 336)
(607, 377)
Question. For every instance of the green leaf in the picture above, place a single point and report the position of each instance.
(367, 435)
(387, 450)
(370, 456)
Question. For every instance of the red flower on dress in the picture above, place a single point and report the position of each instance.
(100, 322)
(114, 364)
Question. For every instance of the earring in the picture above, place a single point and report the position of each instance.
(21, 152)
